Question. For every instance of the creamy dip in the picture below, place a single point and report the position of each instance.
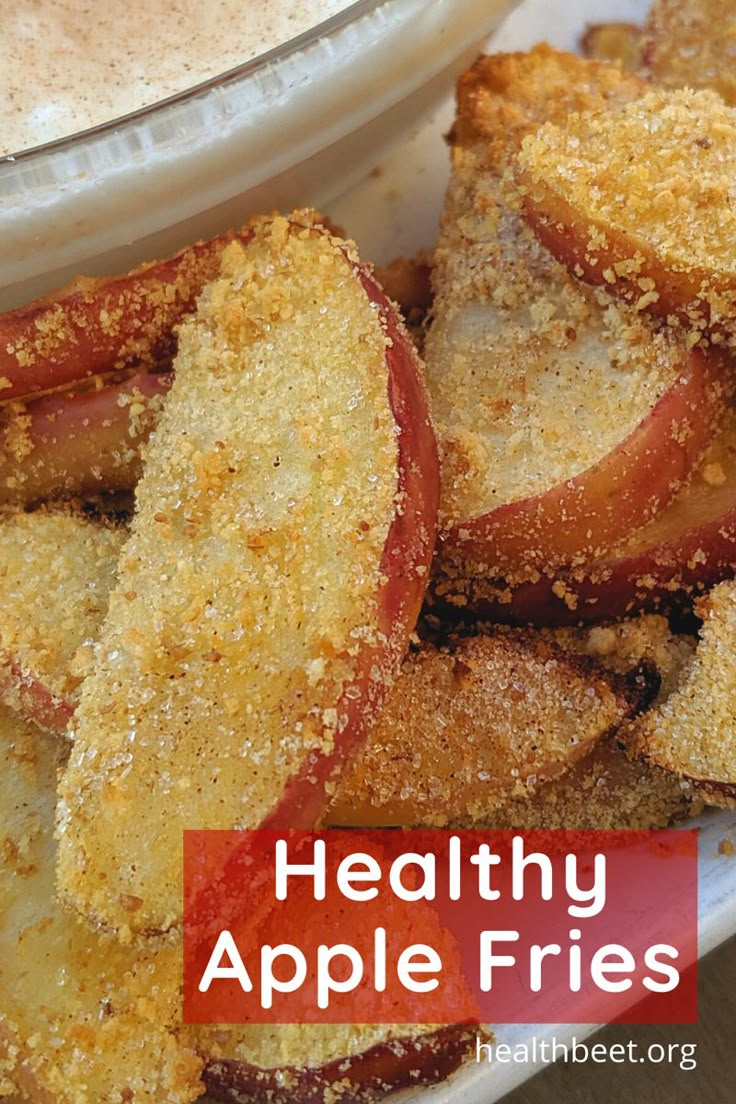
(66, 65)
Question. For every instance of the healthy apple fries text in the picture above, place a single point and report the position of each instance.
(245, 647)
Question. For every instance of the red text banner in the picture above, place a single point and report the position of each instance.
(440, 927)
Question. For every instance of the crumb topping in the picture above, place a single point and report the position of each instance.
(445, 748)
(56, 571)
(651, 190)
(72, 1027)
(693, 730)
(104, 325)
(692, 43)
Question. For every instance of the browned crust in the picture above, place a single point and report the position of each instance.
(692, 730)
(691, 43)
(480, 720)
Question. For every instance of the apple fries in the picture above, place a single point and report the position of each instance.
(73, 1028)
(640, 199)
(275, 568)
(94, 327)
(444, 753)
(565, 419)
(687, 548)
(56, 571)
(692, 43)
(78, 443)
(466, 727)
(692, 732)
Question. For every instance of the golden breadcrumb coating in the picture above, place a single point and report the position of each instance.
(247, 592)
(603, 791)
(464, 728)
(692, 732)
(56, 571)
(534, 378)
(81, 1017)
(692, 43)
(642, 198)
(103, 325)
(622, 645)
(456, 718)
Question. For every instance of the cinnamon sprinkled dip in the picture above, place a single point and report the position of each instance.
(66, 65)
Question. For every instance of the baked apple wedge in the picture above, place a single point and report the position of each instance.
(97, 326)
(71, 1026)
(335, 1063)
(692, 732)
(277, 561)
(78, 443)
(688, 548)
(691, 44)
(456, 717)
(478, 722)
(640, 200)
(566, 419)
(56, 571)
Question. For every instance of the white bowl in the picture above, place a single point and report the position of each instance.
(297, 125)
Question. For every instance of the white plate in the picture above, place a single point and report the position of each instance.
(395, 212)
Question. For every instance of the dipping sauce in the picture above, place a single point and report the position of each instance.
(66, 65)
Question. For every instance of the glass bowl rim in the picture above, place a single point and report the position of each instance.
(248, 69)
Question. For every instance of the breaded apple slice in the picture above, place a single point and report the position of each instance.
(96, 326)
(681, 553)
(473, 724)
(277, 561)
(78, 442)
(692, 44)
(56, 571)
(73, 1022)
(566, 419)
(328, 1063)
(640, 199)
(692, 732)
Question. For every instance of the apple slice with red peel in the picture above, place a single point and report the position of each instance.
(275, 569)
(78, 443)
(689, 547)
(639, 199)
(578, 519)
(692, 732)
(97, 326)
(56, 571)
(377, 1060)
(566, 419)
